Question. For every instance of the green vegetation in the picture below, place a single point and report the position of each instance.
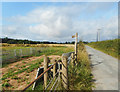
(81, 77)
(8, 53)
(110, 47)
(6, 84)
(29, 69)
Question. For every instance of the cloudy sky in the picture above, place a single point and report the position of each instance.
(53, 21)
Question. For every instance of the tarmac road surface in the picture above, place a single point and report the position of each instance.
(104, 70)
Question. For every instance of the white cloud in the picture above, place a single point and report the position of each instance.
(60, 23)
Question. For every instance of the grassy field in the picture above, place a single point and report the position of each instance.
(17, 74)
(81, 77)
(14, 54)
(111, 47)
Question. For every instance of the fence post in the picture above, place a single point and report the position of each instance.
(15, 52)
(46, 60)
(31, 51)
(20, 52)
(54, 68)
(59, 63)
(65, 72)
(72, 59)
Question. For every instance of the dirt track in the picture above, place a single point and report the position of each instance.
(104, 70)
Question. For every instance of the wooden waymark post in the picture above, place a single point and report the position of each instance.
(76, 40)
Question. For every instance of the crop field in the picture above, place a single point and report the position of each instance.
(19, 64)
(111, 47)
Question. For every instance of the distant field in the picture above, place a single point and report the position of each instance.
(111, 47)
(35, 45)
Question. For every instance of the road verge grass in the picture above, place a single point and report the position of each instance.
(80, 77)
(110, 47)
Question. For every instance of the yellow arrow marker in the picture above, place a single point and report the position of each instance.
(73, 36)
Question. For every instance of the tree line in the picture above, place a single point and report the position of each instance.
(19, 41)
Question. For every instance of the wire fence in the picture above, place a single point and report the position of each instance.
(15, 54)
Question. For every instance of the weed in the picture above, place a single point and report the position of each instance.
(27, 74)
(6, 84)
(16, 65)
(24, 62)
(14, 77)
(7, 80)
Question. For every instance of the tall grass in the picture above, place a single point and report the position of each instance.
(110, 47)
(80, 77)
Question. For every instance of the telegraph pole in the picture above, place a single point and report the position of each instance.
(98, 35)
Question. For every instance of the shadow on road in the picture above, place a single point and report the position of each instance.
(92, 65)
(95, 64)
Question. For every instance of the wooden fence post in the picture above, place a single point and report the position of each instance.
(46, 60)
(59, 63)
(65, 72)
(54, 68)
(72, 59)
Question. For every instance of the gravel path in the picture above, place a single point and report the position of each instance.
(104, 70)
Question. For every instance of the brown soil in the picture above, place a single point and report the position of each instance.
(24, 78)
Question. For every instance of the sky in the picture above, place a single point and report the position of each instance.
(58, 21)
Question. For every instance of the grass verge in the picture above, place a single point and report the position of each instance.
(81, 77)
(110, 47)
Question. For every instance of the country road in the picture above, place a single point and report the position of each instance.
(104, 70)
